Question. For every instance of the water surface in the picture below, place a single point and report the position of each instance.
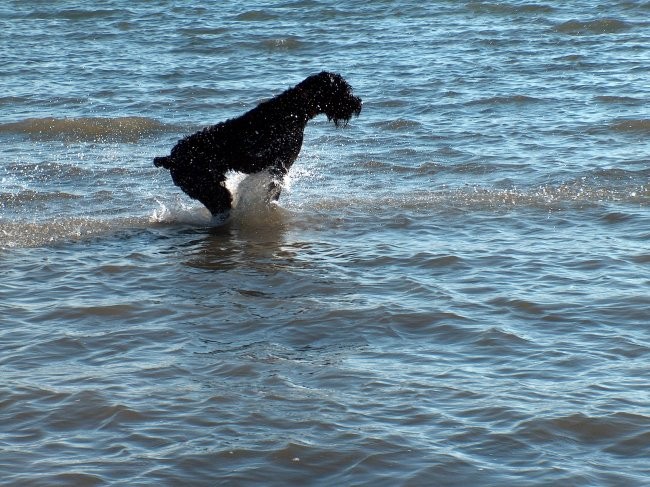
(452, 290)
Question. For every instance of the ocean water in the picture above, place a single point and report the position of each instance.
(452, 290)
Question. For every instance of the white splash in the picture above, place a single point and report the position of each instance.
(251, 192)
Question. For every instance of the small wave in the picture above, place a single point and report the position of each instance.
(94, 129)
(75, 14)
(398, 124)
(622, 100)
(391, 103)
(572, 58)
(30, 196)
(613, 429)
(599, 26)
(504, 8)
(203, 31)
(46, 170)
(12, 100)
(615, 217)
(504, 100)
(640, 126)
(255, 16)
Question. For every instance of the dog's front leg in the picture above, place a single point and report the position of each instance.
(278, 171)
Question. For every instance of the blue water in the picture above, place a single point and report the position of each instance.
(452, 290)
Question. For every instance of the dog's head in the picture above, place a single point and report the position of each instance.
(332, 95)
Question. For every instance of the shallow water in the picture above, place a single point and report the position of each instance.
(452, 290)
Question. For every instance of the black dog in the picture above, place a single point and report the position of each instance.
(268, 137)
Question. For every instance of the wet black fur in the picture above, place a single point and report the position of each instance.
(268, 137)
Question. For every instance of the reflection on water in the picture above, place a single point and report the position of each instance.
(246, 239)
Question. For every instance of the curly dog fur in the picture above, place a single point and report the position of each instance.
(267, 138)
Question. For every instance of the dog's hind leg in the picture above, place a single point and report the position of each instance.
(206, 186)
(218, 200)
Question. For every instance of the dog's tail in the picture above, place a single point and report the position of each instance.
(166, 162)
